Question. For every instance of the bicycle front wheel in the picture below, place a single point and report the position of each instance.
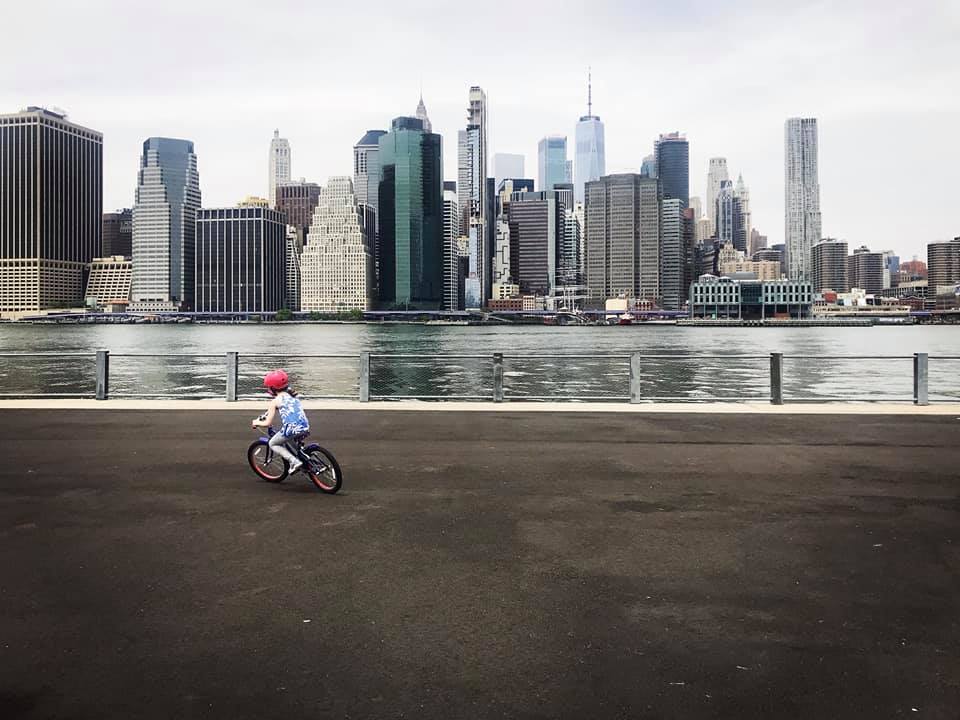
(323, 469)
(266, 463)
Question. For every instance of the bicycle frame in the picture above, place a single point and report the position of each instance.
(297, 451)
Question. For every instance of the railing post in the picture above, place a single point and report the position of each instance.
(635, 377)
(498, 377)
(776, 378)
(921, 377)
(103, 374)
(364, 377)
(233, 361)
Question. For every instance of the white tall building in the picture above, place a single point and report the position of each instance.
(336, 267)
(165, 226)
(422, 115)
(742, 193)
(279, 164)
(590, 153)
(802, 195)
(697, 206)
(715, 176)
(293, 248)
(452, 282)
(472, 196)
(672, 292)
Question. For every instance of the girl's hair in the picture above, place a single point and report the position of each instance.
(288, 390)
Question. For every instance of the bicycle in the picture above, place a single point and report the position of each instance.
(319, 464)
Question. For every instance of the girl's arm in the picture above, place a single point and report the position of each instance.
(271, 415)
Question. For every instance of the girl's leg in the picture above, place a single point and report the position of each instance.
(277, 444)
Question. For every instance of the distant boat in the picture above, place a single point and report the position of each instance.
(626, 319)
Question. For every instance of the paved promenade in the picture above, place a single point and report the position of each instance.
(482, 565)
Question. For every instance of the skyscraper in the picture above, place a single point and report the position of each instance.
(336, 267)
(552, 165)
(716, 175)
(453, 278)
(865, 270)
(411, 216)
(742, 194)
(118, 233)
(164, 226)
(828, 267)
(296, 201)
(507, 165)
(51, 205)
(672, 154)
(536, 232)
(293, 249)
(623, 221)
(240, 260)
(672, 254)
(729, 213)
(569, 240)
(366, 167)
(503, 242)
(697, 206)
(590, 156)
(648, 168)
(421, 115)
(279, 165)
(802, 195)
(943, 265)
(472, 191)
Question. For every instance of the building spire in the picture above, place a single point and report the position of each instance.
(589, 91)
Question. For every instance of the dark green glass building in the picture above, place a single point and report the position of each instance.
(410, 197)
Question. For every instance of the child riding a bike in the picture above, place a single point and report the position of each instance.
(294, 420)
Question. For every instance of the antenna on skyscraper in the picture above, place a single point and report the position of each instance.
(589, 91)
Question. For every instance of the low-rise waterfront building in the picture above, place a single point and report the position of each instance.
(109, 282)
(727, 298)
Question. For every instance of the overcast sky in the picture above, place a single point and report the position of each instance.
(882, 78)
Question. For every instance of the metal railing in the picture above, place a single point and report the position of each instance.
(498, 377)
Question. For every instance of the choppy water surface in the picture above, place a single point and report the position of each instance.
(702, 363)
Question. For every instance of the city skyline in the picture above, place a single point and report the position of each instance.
(856, 72)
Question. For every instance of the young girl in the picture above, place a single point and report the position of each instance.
(295, 423)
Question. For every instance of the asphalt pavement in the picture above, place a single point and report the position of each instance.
(481, 565)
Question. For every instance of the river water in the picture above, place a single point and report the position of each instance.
(702, 363)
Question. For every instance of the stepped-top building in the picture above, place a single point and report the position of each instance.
(336, 267)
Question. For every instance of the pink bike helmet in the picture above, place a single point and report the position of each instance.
(276, 380)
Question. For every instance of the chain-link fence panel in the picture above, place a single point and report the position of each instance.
(167, 376)
(703, 378)
(944, 371)
(431, 377)
(312, 376)
(60, 375)
(841, 378)
(566, 377)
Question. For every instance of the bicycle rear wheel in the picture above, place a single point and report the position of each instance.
(323, 469)
(266, 463)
